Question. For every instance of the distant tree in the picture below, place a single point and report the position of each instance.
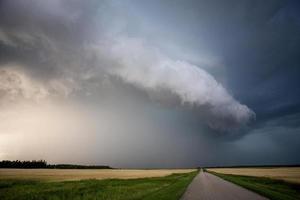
(23, 164)
(43, 164)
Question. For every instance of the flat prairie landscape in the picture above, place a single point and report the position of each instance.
(289, 174)
(70, 184)
(80, 174)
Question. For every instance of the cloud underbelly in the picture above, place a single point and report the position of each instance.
(148, 69)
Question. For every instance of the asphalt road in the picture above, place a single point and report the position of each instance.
(206, 186)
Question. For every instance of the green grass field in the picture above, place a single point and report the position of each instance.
(273, 189)
(160, 188)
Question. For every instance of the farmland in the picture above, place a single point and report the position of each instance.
(79, 174)
(289, 174)
(276, 183)
(170, 187)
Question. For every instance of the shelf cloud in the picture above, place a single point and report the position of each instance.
(147, 68)
(132, 59)
(179, 77)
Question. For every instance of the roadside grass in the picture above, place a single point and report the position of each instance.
(270, 188)
(160, 188)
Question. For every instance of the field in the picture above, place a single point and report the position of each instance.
(169, 187)
(289, 174)
(80, 174)
(271, 188)
(278, 183)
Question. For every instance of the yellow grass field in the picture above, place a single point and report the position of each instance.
(79, 174)
(290, 174)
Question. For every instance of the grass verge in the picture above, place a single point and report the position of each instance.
(161, 188)
(270, 188)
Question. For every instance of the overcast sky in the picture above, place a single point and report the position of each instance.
(161, 83)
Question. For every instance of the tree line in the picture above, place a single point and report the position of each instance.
(33, 164)
(23, 164)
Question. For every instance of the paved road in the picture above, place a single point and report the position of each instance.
(206, 186)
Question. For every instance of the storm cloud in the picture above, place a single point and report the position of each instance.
(169, 71)
(130, 58)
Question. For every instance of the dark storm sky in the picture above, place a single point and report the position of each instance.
(150, 83)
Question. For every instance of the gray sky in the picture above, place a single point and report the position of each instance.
(136, 83)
